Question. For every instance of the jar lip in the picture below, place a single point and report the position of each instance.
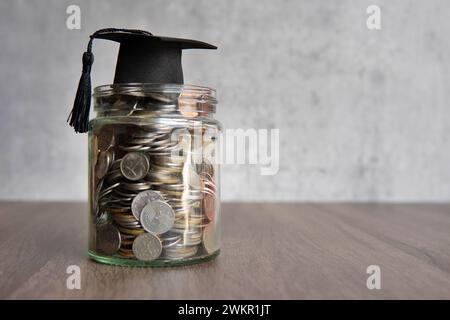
(143, 88)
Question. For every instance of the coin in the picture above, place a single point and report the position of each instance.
(103, 218)
(116, 165)
(165, 98)
(136, 186)
(206, 169)
(127, 242)
(147, 214)
(108, 239)
(126, 254)
(95, 197)
(108, 190)
(142, 199)
(134, 147)
(193, 239)
(210, 239)
(159, 217)
(209, 205)
(105, 138)
(103, 163)
(172, 243)
(180, 251)
(147, 247)
(134, 166)
(127, 221)
(119, 210)
(113, 176)
(163, 178)
(187, 104)
(125, 194)
(170, 239)
(128, 231)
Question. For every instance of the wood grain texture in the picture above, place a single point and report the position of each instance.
(269, 251)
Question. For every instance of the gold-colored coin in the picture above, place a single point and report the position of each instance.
(126, 254)
(124, 217)
(127, 242)
(131, 231)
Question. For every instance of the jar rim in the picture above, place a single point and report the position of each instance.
(154, 99)
(143, 88)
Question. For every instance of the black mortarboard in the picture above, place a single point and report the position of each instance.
(143, 58)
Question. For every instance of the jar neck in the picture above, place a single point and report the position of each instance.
(154, 100)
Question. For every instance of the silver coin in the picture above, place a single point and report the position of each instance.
(134, 148)
(174, 187)
(142, 199)
(210, 239)
(138, 186)
(179, 251)
(163, 142)
(103, 194)
(111, 187)
(104, 161)
(147, 135)
(116, 165)
(163, 217)
(113, 176)
(148, 213)
(108, 190)
(192, 195)
(162, 178)
(170, 236)
(165, 98)
(125, 194)
(131, 223)
(134, 166)
(147, 247)
(165, 149)
(108, 239)
(169, 160)
(192, 240)
(171, 243)
(130, 226)
(209, 206)
(141, 141)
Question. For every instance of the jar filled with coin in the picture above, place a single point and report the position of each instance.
(153, 174)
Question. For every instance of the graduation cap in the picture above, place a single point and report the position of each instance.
(143, 58)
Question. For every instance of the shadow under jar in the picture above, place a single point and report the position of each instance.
(153, 179)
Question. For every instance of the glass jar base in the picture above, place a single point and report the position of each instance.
(117, 261)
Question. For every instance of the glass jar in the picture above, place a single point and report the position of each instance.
(153, 179)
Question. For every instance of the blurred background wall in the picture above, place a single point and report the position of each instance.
(363, 115)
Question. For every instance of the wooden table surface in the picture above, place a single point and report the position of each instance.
(269, 251)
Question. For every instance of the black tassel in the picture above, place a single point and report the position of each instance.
(79, 116)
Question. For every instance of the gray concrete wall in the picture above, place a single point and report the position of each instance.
(363, 115)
